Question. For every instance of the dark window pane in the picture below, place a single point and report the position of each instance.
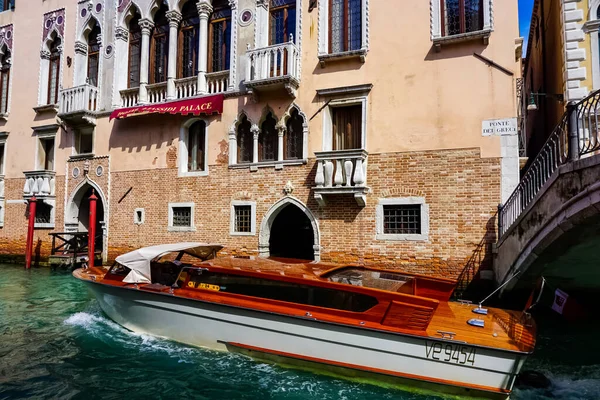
(135, 52)
(93, 55)
(452, 17)
(268, 139)
(402, 219)
(48, 156)
(243, 218)
(196, 140)
(282, 291)
(1, 159)
(42, 213)
(182, 216)
(86, 142)
(245, 141)
(473, 14)
(4, 95)
(294, 136)
(462, 16)
(354, 25)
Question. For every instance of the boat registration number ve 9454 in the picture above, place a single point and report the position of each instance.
(450, 353)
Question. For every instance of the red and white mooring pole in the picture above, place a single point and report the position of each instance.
(92, 231)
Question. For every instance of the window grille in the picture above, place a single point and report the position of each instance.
(243, 219)
(402, 219)
(53, 76)
(220, 39)
(4, 83)
(182, 216)
(160, 48)
(461, 16)
(345, 28)
(188, 41)
(43, 212)
(135, 52)
(93, 55)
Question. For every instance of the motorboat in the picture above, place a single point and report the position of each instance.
(350, 321)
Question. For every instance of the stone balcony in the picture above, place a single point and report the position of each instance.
(275, 67)
(39, 183)
(185, 88)
(341, 172)
(78, 105)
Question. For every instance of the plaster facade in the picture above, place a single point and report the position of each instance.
(422, 110)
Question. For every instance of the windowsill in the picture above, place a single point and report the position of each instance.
(46, 108)
(462, 37)
(268, 164)
(242, 233)
(191, 174)
(43, 225)
(402, 238)
(360, 54)
(81, 156)
(181, 229)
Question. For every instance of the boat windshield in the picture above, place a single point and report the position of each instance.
(382, 280)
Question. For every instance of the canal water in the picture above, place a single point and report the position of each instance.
(55, 343)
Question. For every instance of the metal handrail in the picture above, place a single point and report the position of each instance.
(577, 134)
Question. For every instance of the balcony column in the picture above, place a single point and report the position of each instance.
(146, 25)
(255, 132)
(232, 147)
(204, 11)
(174, 18)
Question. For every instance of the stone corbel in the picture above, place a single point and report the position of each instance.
(262, 3)
(81, 48)
(122, 34)
(45, 55)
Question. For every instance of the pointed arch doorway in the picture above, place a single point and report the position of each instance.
(290, 230)
(78, 211)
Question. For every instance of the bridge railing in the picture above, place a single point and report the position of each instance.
(577, 134)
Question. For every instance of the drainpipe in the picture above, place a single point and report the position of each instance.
(573, 150)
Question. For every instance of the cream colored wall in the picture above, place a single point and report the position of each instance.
(421, 100)
(22, 144)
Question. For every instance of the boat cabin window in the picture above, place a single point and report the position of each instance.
(276, 290)
(390, 281)
(119, 270)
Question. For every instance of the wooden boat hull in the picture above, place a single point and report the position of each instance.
(442, 365)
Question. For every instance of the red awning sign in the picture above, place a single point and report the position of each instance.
(196, 106)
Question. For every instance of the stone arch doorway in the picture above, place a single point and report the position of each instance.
(78, 211)
(290, 230)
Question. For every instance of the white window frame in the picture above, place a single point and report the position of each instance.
(323, 28)
(252, 205)
(328, 122)
(436, 22)
(399, 201)
(191, 228)
(42, 136)
(184, 136)
(142, 219)
(50, 225)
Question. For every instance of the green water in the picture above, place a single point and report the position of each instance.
(56, 343)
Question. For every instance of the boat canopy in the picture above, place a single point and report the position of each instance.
(138, 261)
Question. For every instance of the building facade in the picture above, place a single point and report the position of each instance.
(334, 130)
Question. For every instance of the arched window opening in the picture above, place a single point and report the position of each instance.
(188, 41)
(54, 71)
(135, 51)
(294, 136)
(267, 141)
(160, 46)
(282, 21)
(219, 39)
(4, 81)
(196, 146)
(245, 141)
(94, 40)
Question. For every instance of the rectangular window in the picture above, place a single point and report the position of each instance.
(53, 79)
(93, 63)
(1, 158)
(402, 219)
(219, 40)
(84, 142)
(345, 25)
(43, 213)
(182, 216)
(46, 156)
(243, 221)
(4, 80)
(282, 22)
(135, 54)
(461, 16)
(189, 46)
(161, 56)
(7, 5)
(347, 127)
(196, 141)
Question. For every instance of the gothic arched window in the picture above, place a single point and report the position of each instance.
(54, 71)
(188, 41)
(135, 52)
(94, 41)
(294, 136)
(219, 37)
(245, 141)
(159, 55)
(267, 140)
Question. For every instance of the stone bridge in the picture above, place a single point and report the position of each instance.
(550, 225)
